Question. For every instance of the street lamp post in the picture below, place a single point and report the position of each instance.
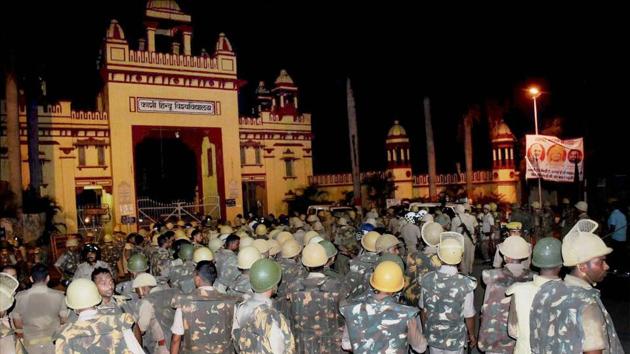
(535, 92)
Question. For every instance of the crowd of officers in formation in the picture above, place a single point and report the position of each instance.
(379, 283)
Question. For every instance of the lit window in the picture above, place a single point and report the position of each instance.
(288, 164)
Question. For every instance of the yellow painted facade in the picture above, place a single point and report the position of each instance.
(149, 92)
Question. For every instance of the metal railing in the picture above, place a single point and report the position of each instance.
(151, 211)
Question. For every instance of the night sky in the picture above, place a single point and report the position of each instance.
(456, 56)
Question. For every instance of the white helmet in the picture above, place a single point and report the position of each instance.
(411, 217)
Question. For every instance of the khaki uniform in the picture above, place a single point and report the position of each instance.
(41, 311)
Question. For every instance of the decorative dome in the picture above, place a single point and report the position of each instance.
(284, 78)
(501, 132)
(115, 32)
(396, 130)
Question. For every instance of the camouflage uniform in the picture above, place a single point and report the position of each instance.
(493, 330)
(102, 334)
(159, 328)
(418, 264)
(259, 328)
(557, 322)
(116, 306)
(291, 271)
(181, 277)
(207, 320)
(443, 297)
(68, 262)
(110, 254)
(315, 319)
(378, 326)
(160, 262)
(346, 242)
(241, 286)
(227, 269)
(358, 279)
(332, 274)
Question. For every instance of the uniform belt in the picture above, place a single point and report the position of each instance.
(38, 341)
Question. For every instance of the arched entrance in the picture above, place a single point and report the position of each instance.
(179, 167)
(165, 170)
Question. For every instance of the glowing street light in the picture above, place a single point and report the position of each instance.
(535, 92)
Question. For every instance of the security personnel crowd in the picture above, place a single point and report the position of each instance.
(385, 282)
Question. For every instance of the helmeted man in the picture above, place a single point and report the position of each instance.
(420, 263)
(465, 224)
(447, 300)
(161, 259)
(331, 253)
(380, 324)
(547, 256)
(257, 326)
(410, 232)
(38, 313)
(137, 264)
(8, 285)
(569, 317)
(314, 300)
(360, 267)
(94, 332)
(387, 243)
(227, 263)
(515, 230)
(154, 337)
(92, 255)
(493, 332)
(292, 269)
(203, 319)
(246, 258)
(582, 210)
(345, 239)
(181, 276)
(69, 260)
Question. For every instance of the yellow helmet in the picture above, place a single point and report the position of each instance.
(82, 294)
(261, 230)
(514, 225)
(247, 256)
(451, 248)
(515, 247)
(144, 279)
(108, 238)
(431, 233)
(246, 241)
(215, 244)
(284, 236)
(387, 277)
(385, 242)
(202, 254)
(308, 236)
(6, 299)
(180, 235)
(169, 225)
(225, 230)
(314, 255)
(580, 247)
(181, 222)
(369, 241)
(273, 234)
(261, 245)
(290, 249)
(274, 247)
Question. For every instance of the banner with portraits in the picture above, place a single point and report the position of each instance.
(553, 159)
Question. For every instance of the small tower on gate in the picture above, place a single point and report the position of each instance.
(285, 97)
(504, 174)
(399, 160)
